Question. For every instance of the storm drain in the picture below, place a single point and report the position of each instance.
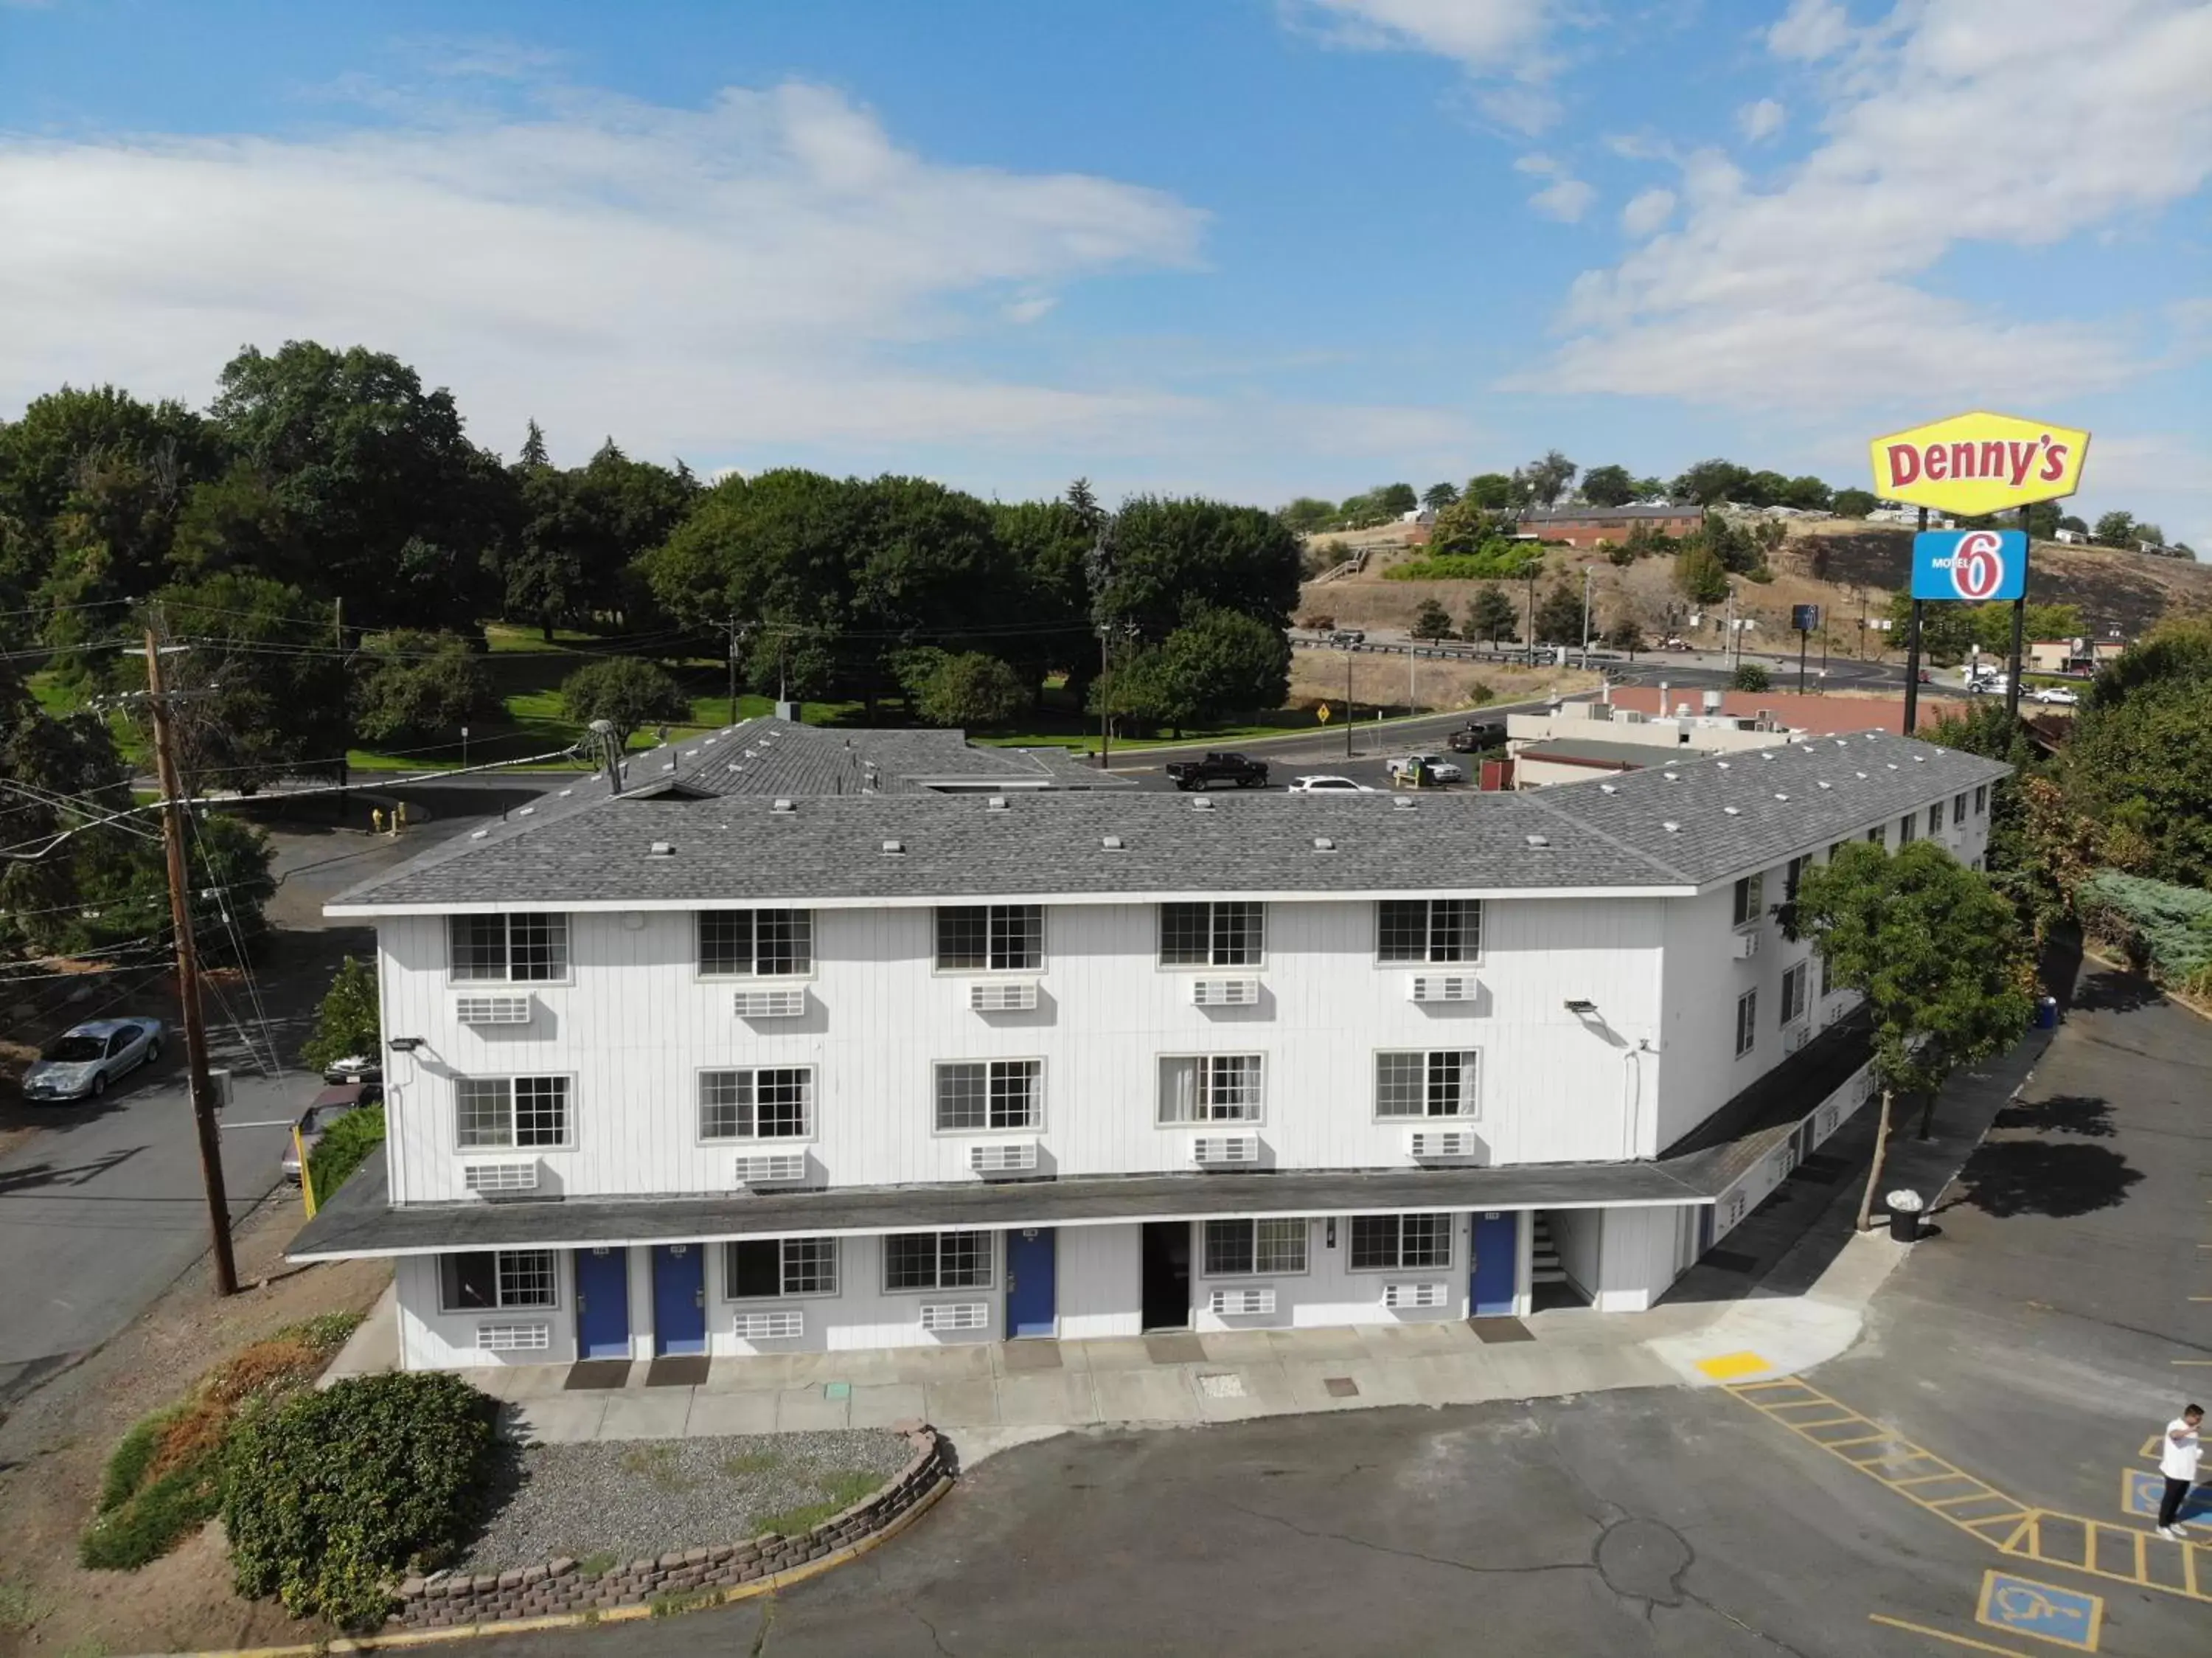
(1341, 1386)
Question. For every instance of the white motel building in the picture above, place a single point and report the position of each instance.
(811, 1040)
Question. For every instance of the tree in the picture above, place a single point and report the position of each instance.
(1939, 956)
(1437, 496)
(2139, 763)
(1625, 635)
(1395, 500)
(270, 694)
(1492, 491)
(414, 688)
(1464, 528)
(1709, 482)
(2117, 529)
(1221, 662)
(534, 448)
(1765, 489)
(1559, 617)
(1307, 514)
(1432, 621)
(1853, 504)
(1808, 494)
(2079, 526)
(1751, 676)
(626, 691)
(970, 689)
(1608, 486)
(1946, 628)
(1700, 575)
(1175, 556)
(1547, 479)
(1491, 616)
(347, 1024)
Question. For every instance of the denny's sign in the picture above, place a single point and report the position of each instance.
(1975, 464)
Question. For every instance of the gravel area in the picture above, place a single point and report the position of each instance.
(609, 1503)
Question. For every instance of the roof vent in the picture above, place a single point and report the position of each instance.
(894, 848)
(784, 805)
(565, 793)
(1920, 760)
(1780, 796)
(1824, 785)
(1671, 776)
(1537, 840)
(1892, 766)
(1401, 803)
(1671, 826)
(1723, 764)
(1201, 804)
(1733, 811)
(689, 752)
(1766, 753)
(661, 849)
(1111, 842)
(1323, 844)
(1608, 788)
(711, 742)
(525, 811)
(478, 834)
(996, 803)
(668, 765)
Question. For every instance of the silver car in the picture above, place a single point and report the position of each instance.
(80, 1064)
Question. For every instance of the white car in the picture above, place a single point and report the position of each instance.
(1329, 785)
(2056, 693)
(1440, 769)
(82, 1063)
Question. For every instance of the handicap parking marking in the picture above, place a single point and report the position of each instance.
(2142, 1490)
(2042, 1612)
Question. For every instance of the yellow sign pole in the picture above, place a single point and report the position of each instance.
(307, 1176)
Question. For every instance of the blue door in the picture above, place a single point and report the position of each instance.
(679, 1299)
(603, 1303)
(1497, 1263)
(1029, 1279)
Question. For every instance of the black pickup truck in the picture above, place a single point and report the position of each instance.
(1204, 773)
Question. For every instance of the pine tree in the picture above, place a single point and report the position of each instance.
(1559, 616)
(1491, 616)
(1432, 621)
(534, 448)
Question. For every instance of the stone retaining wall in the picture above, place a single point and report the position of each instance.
(449, 1599)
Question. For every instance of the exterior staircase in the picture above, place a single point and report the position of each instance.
(1543, 1256)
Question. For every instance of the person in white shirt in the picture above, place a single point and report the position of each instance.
(2177, 1460)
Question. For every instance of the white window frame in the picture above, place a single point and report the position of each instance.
(802, 928)
(993, 916)
(1258, 930)
(990, 1068)
(1471, 928)
(813, 1106)
(500, 1258)
(936, 1284)
(1794, 1006)
(1470, 1059)
(556, 923)
(1283, 1225)
(1747, 1023)
(513, 1142)
(1203, 1088)
(1398, 1263)
(784, 1269)
(1749, 905)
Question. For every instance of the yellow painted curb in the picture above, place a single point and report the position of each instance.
(1729, 1366)
(707, 1599)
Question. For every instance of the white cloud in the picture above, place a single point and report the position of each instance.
(1647, 211)
(765, 270)
(1566, 200)
(1811, 30)
(1500, 43)
(1760, 120)
(1811, 292)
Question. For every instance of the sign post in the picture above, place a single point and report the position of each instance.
(1804, 618)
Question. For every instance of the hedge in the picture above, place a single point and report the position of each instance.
(344, 1146)
(2163, 928)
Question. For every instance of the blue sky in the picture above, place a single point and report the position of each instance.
(1252, 247)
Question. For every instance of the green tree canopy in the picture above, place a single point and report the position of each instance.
(273, 687)
(1625, 635)
(1491, 615)
(1437, 496)
(2139, 764)
(411, 689)
(970, 689)
(1221, 662)
(1608, 486)
(1173, 557)
(1492, 491)
(626, 691)
(1308, 513)
(1751, 676)
(1709, 482)
(2118, 529)
(1700, 575)
(1853, 504)
(347, 1022)
(1547, 477)
(1559, 614)
(1432, 621)
(1808, 493)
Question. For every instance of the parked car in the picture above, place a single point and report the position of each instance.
(1210, 769)
(1675, 641)
(331, 1103)
(1476, 736)
(1427, 768)
(1348, 636)
(79, 1065)
(2056, 693)
(1325, 783)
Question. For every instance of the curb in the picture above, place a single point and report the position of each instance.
(703, 1601)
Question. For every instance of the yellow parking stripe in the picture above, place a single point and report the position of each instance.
(1938, 1635)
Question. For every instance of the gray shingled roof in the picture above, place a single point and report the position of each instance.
(1673, 826)
(778, 757)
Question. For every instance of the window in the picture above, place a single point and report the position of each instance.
(508, 1113)
(1437, 1083)
(1228, 934)
(1905, 827)
(1936, 819)
(1835, 847)
(1875, 834)
(1795, 984)
(986, 1094)
(1959, 808)
(1248, 1249)
(1792, 873)
(765, 943)
(754, 1268)
(490, 1280)
(1981, 799)
(1211, 1087)
(1747, 1022)
(990, 938)
(519, 949)
(1750, 900)
(1827, 978)
(1429, 929)
(771, 1103)
(937, 1260)
(1385, 1242)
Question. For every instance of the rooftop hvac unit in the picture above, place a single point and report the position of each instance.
(1795, 1038)
(770, 1326)
(492, 1009)
(1403, 1297)
(1225, 992)
(535, 1336)
(1240, 1303)
(1746, 946)
(1004, 1157)
(943, 1317)
(1440, 987)
(1220, 1151)
(771, 1168)
(1000, 997)
(489, 1180)
(1426, 1142)
(771, 1004)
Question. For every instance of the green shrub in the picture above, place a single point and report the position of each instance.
(1495, 560)
(153, 1520)
(1751, 676)
(132, 1456)
(344, 1146)
(330, 1495)
(2163, 929)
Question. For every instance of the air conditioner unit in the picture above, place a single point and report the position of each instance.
(1839, 1011)
(1795, 1038)
(771, 1004)
(486, 1180)
(771, 1167)
(1213, 1150)
(1402, 1297)
(533, 1336)
(942, 1317)
(1746, 946)
(1440, 987)
(999, 996)
(1240, 1303)
(1425, 1142)
(770, 1326)
(1004, 1157)
(1225, 992)
(492, 1009)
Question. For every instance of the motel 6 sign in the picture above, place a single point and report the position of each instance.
(1974, 465)
(1978, 565)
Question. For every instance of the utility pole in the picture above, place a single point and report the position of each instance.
(733, 667)
(1347, 702)
(2018, 624)
(188, 974)
(1586, 582)
(1105, 699)
(1912, 654)
(1735, 639)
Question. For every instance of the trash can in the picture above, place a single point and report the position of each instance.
(1905, 1215)
(2047, 1013)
